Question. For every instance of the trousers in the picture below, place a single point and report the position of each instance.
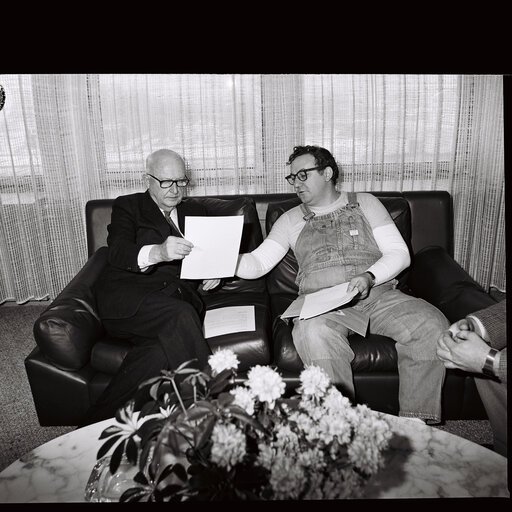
(165, 332)
(413, 323)
(494, 398)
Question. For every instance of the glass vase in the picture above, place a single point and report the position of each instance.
(103, 486)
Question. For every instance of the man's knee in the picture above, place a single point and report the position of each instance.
(321, 339)
(417, 315)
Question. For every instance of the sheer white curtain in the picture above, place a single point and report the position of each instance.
(65, 139)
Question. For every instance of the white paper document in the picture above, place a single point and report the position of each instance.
(229, 319)
(325, 300)
(316, 303)
(329, 299)
(216, 246)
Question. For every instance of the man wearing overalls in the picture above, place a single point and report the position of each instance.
(340, 237)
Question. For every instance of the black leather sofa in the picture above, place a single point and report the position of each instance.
(74, 358)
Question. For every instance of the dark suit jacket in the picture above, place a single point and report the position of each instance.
(137, 221)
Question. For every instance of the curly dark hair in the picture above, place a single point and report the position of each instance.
(323, 158)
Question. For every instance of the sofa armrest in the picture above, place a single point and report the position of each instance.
(66, 331)
(437, 278)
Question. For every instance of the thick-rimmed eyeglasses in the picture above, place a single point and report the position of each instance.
(302, 174)
(182, 182)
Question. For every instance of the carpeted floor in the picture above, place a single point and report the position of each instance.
(20, 431)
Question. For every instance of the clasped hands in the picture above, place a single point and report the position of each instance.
(461, 347)
(176, 248)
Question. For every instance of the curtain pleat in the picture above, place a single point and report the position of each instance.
(65, 139)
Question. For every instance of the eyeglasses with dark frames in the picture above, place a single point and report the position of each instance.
(302, 174)
(182, 182)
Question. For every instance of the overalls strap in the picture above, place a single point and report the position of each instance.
(352, 198)
(308, 214)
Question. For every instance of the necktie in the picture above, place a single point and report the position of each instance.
(176, 231)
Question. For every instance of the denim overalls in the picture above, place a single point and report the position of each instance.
(332, 249)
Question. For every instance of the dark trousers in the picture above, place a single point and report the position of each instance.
(165, 332)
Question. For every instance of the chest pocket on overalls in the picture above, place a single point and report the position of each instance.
(352, 231)
(324, 244)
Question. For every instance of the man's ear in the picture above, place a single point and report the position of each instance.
(328, 173)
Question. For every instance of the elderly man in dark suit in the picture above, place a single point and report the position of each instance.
(140, 295)
(478, 343)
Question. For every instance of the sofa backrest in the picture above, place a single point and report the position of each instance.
(430, 212)
(98, 213)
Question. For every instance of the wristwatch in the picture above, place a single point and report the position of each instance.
(488, 368)
(372, 276)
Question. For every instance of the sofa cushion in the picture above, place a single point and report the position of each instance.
(108, 354)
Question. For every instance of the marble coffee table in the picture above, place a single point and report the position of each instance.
(424, 462)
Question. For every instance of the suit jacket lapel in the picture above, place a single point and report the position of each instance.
(153, 214)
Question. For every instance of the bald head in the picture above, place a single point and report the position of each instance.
(163, 158)
(163, 165)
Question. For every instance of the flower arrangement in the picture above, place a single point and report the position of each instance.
(204, 437)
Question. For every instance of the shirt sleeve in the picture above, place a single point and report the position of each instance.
(143, 257)
(260, 261)
(479, 327)
(395, 253)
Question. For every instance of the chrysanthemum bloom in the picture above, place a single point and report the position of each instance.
(313, 459)
(229, 445)
(334, 401)
(314, 380)
(224, 359)
(266, 384)
(331, 425)
(244, 399)
(266, 455)
(372, 436)
(303, 421)
(286, 439)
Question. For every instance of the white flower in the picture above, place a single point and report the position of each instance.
(265, 456)
(223, 359)
(313, 459)
(229, 445)
(244, 399)
(334, 401)
(331, 425)
(266, 384)
(372, 435)
(286, 439)
(304, 422)
(315, 381)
